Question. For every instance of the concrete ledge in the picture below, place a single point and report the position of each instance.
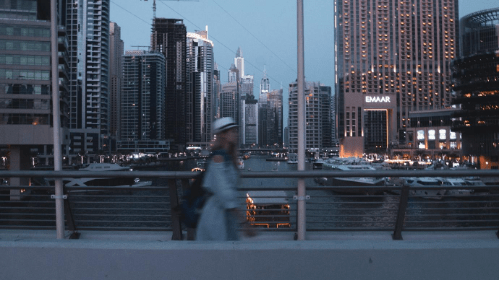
(332, 255)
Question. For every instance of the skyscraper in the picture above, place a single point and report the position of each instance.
(317, 112)
(392, 57)
(143, 96)
(169, 38)
(116, 49)
(200, 97)
(476, 74)
(26, 115)
(87, 25)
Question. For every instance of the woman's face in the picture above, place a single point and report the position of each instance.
(231, 135)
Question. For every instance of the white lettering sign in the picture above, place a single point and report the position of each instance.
(377, 99)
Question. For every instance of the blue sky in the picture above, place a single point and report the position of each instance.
(264, 29)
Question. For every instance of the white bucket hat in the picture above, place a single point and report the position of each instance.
(223, 124)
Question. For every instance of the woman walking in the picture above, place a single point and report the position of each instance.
(220, 216)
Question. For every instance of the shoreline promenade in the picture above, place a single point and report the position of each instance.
(36, 254)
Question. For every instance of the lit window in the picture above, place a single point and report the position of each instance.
(442, 134)
(431, 134)
(420, 134)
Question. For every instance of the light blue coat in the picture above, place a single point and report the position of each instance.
(215, 222)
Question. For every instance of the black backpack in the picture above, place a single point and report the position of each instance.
(193, 202)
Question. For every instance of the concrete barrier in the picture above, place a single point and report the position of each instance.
(325, 256)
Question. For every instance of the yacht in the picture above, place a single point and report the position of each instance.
(292, 158)
(464, 191)
(415, 182)
(350, 182)
(102, 182)
(240, 163)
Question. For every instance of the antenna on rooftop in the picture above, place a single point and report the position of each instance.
(154, 5)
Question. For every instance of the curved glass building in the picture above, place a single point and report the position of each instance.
(476, 78)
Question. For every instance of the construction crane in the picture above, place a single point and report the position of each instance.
(154, 5)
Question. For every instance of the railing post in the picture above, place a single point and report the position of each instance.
(301, 224)
(191, 232)
(404, 197)
(174, 202)
(69, 218)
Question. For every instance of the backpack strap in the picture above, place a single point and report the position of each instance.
(223, 153)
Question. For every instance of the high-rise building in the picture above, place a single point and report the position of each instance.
(87, 25)
(143, 96)
(116, 49)
(270, 114)
(217, 88)
(26, 116)
(317, 112)
(200, 96)
(169, 38)
(229, 100)
(392, 57)
(250, 114)
(476, 74)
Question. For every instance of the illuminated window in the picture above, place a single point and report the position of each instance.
(431, 134)
(420, 134)
(442, 134)
(453, 135)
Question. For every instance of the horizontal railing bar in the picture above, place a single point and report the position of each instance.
(19, 220)
(449, 221)
(448, 229)
(29, 208)
(125, 228)
(131, 209)
(291, 174)
(108, 221)
(355, 216)
(119, 203)
(119, 215)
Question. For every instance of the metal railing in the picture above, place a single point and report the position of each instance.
(330, 207)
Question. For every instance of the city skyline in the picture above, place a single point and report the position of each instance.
(265, 32)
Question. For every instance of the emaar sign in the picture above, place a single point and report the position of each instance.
(378, 99)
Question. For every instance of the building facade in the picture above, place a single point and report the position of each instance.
(143, 96)
(200, 98)
(169, 38)
(116, 51)
(26, 116)
(476, 74)
(317, 112)
(250, 121)
(87, 25)
(392, 58)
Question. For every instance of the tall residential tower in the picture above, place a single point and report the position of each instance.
(392, 58)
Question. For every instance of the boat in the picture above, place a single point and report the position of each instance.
(240, 163)
(317, 164)
(414, 182)
(457, 182)
(268, 208)
(292, 158)
(77, 183)
(350, 182)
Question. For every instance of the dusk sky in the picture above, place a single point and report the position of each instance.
(264, 29)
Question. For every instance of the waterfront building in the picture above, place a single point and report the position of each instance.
(250, 121)
(270, 113)
(116, 51)
(26, 115)
(217, 88)
(229, 100)
(476, 76)
(430, 136)
(392, 57)
(143, 96)
(317, 112)
(200, 96)
(87, 24)
(169, 38)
